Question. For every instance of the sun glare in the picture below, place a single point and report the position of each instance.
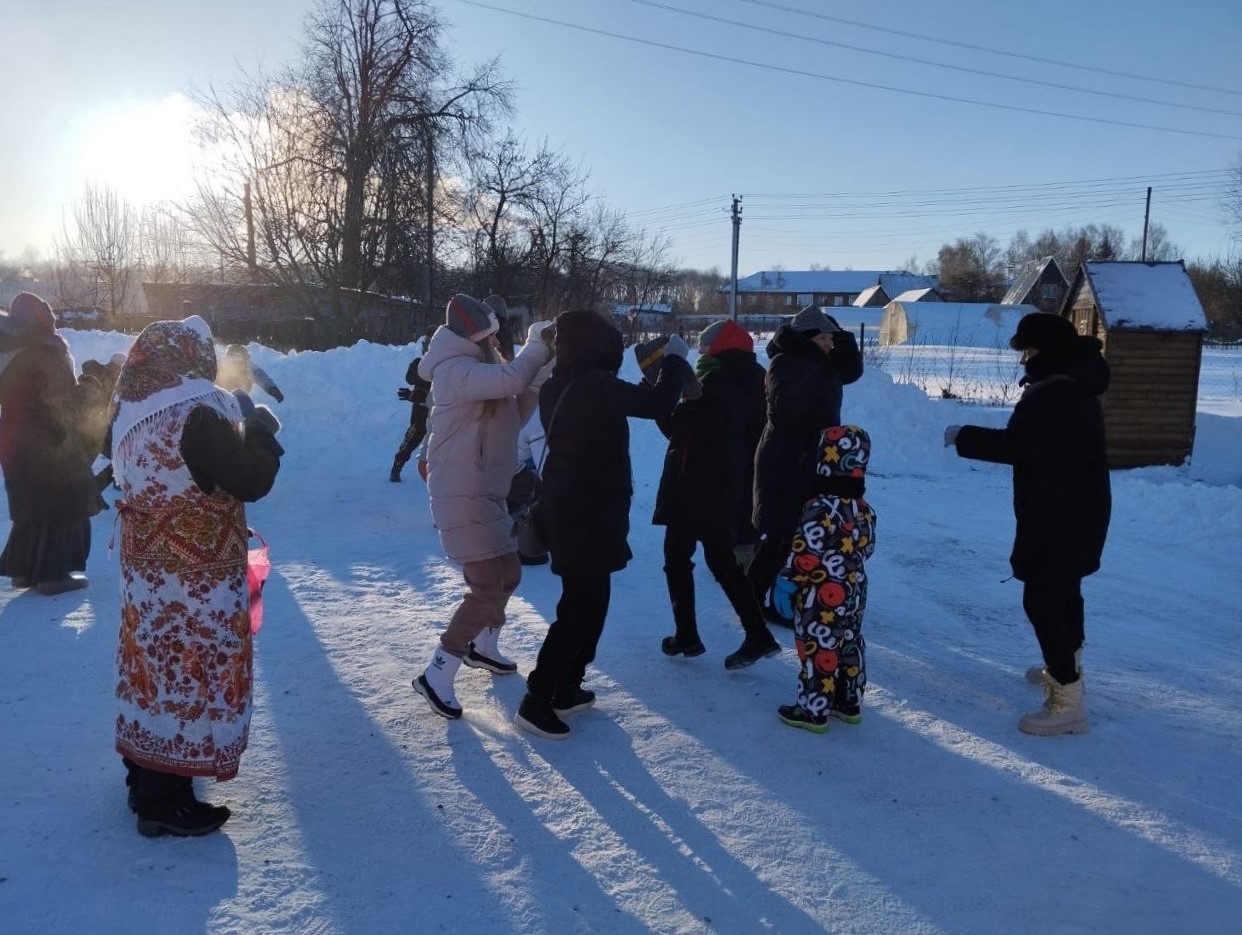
(144, 151)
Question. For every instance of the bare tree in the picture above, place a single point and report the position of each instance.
(102, 247)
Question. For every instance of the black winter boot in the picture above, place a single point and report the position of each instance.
(753, 649)
(569, 700)
(166, 805)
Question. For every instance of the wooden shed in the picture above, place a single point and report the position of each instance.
(1151, 324)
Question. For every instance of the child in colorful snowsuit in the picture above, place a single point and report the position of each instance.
(835, 535)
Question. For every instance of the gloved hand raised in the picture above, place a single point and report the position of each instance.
(537, 332)
(403, 392)
(263, 418)
(676, 347)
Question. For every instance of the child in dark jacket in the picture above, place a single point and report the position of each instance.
(834, 537)
(1061, 498)
(705, 490)
(416, 395)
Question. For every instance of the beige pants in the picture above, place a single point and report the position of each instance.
(488, 586)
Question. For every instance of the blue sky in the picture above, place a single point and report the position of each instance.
(669, 135)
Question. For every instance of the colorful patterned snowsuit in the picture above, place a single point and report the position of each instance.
(835, 534)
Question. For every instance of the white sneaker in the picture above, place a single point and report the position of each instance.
(1062, 712)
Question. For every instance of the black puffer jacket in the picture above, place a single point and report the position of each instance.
(1055, 442)
(803, 398)
(584, 503)
(706, 485)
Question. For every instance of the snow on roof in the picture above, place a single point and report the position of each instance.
(866, 295)
(1027, 278)
(1138, 296)
(916, 295)
(808, 282)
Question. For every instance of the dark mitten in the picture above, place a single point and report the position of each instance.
(263, 418)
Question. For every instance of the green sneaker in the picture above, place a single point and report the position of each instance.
(795, 716)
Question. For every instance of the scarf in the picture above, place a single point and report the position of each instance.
(170, 362)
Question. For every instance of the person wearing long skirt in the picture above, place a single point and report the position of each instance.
(44, 453)
(186, 460)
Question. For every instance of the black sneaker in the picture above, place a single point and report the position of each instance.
(189, 819)
(439, 706)
(540, 719)
(797, 716)
(671, 647)
(751, 651)
(569, 700)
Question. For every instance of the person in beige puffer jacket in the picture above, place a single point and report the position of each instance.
(480, 404)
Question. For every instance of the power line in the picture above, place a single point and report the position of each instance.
(923, 61)
(982, 48)
(849, 81)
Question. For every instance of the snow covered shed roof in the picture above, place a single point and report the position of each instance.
(869, 294)
(1137, 296)
(928, 294)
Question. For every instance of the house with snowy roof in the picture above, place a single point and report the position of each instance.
(1151, 323)
(783, 292)
(928, 294)
(1040, 283)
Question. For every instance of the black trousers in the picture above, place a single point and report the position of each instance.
(769, 559)
(679, 546)
(1053, 604)
(413, 436)
(573, 636)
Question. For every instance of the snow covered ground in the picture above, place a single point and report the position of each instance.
(680, 804)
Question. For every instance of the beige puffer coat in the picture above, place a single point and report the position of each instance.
(472, 441)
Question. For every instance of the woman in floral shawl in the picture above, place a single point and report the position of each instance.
(185, 460)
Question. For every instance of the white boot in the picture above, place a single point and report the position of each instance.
(436, 684)
(485, 654)
(1062, 712)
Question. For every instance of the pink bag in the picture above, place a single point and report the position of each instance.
(258, 564)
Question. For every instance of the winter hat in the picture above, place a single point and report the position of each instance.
(725, 335)
(469, 318)
(498, 305)
(1043, 331)
(237, 351)
(812, 320)
(28, 312)
(844, 451)
(586, 340)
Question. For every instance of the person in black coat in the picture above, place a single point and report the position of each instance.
(812, 358)
(704, 493)
(1061, 498)
(584, 503)
(44, 453)
(416, 395)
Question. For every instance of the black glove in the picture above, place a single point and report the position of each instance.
(276, 394)
(244, 400)
(404, 394)
(263, 418)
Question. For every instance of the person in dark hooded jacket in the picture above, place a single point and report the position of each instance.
(705, 490)
(812, 358)
(1061, 498)
(584, 503)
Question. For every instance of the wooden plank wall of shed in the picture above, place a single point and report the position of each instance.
(1150, 405)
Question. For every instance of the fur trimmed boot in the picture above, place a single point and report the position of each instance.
(436, 684)
(1062, 712)
(484, 653)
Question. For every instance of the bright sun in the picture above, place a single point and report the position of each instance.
(145, 151)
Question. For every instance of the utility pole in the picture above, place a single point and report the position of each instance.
(737, 230)
(1146, 218)
(251, 263)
